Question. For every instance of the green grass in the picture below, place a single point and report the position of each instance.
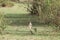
(24, 30)
(18, 8)
(21, 19)
(23, 33)
(19, 14)
(17, 37)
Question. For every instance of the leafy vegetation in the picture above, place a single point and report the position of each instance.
(45, 19)
(47, 10)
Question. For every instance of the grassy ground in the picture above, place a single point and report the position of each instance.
(22, 32)
(18, 8)
(17, 37)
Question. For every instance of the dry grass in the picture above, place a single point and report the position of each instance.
(18, 8)
(17, 37)
(26, 36)
(45, 33)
